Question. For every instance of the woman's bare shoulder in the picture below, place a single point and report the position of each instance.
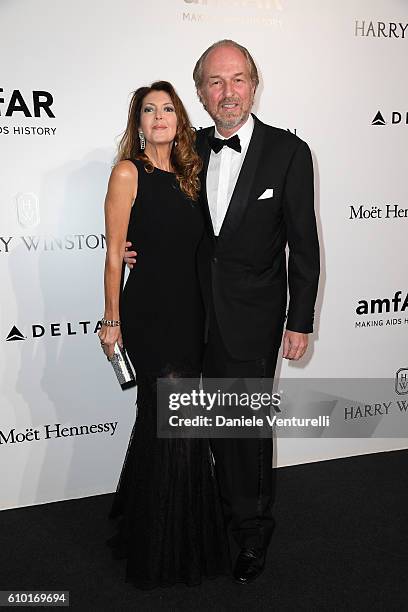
(124, 170)
(124, 178)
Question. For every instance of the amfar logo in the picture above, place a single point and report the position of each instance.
(37, 104)
(54, 329)
(380, 29)
(40, 103)
(401, 381)
(382, 305)
(259, 4)
(252, 12)
(395, 119)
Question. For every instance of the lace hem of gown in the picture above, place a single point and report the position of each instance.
(171, 526)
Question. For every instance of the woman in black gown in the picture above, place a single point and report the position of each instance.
(170, 525)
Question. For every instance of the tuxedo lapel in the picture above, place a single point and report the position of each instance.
(239, 198)
(204, 151)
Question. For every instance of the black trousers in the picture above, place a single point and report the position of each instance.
(243, 465)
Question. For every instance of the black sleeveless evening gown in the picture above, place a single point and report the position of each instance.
(171, 527)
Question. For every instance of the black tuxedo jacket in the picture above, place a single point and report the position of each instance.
(244, 272)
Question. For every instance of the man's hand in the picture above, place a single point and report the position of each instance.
(129, 256)
(294, 344)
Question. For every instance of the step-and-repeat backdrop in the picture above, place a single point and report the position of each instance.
(332, 72)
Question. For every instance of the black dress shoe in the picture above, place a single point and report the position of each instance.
(249, 565)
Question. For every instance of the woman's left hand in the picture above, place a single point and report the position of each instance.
(108, 337)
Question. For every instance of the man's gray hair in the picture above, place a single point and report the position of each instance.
(198, 68)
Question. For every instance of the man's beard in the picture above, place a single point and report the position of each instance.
(229, 123)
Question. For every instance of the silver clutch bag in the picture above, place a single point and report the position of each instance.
(122, 368)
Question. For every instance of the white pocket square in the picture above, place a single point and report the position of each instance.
(268, 193)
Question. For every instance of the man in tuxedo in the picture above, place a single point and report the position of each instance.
(257, 195)
(257, 198)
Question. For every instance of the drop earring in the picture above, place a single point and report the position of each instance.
(142, 140)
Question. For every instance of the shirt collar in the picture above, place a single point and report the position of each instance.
(244, 132)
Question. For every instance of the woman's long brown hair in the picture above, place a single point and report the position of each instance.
(183, 157)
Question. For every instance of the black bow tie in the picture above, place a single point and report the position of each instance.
(233, 143)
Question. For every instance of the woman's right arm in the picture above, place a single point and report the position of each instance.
(122, 190)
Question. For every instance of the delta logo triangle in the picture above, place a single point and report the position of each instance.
(15, 334)
(378, 119)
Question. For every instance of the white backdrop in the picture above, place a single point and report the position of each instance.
(327, 68)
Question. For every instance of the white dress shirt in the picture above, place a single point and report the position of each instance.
(222, 174)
